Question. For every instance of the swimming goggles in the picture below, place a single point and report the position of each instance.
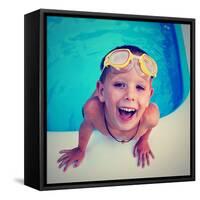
(120, 59)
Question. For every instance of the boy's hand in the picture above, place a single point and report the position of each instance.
(69, 157)
(143, 152)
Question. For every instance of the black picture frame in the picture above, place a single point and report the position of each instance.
(35, 122)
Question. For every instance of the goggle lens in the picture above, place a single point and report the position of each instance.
(119, 57)
(149, 64)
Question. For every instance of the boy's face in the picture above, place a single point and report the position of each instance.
(126, 96)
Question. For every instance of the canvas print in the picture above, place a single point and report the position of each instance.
(118, 99)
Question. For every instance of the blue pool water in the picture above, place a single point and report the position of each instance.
(75, 47)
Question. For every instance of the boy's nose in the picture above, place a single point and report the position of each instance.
(130, 98)
(131, 95)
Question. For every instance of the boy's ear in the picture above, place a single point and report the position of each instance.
(152, 91)
(100, 90)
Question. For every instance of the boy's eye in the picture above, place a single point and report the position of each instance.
(120, 85)
(139, 87)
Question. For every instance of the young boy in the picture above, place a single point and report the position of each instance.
(120, 107)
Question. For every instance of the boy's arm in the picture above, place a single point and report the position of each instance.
(142, 148)
(85, 133)
(146, 134)
(151, 118)
(75, 156)
(87, 126)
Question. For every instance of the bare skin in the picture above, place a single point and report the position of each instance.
(121, 91)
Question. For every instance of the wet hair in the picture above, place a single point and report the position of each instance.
(135, 50)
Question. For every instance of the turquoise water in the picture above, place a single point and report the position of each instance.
(75, 47)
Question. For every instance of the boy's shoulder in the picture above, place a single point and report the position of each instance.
(151, 115)
(92, 108)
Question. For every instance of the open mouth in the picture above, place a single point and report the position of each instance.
(126, 113)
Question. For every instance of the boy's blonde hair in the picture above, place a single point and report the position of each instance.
(135, 50)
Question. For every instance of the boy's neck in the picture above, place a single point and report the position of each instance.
(120, 134)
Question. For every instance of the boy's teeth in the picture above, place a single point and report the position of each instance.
(126, 113)
(128, 109)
